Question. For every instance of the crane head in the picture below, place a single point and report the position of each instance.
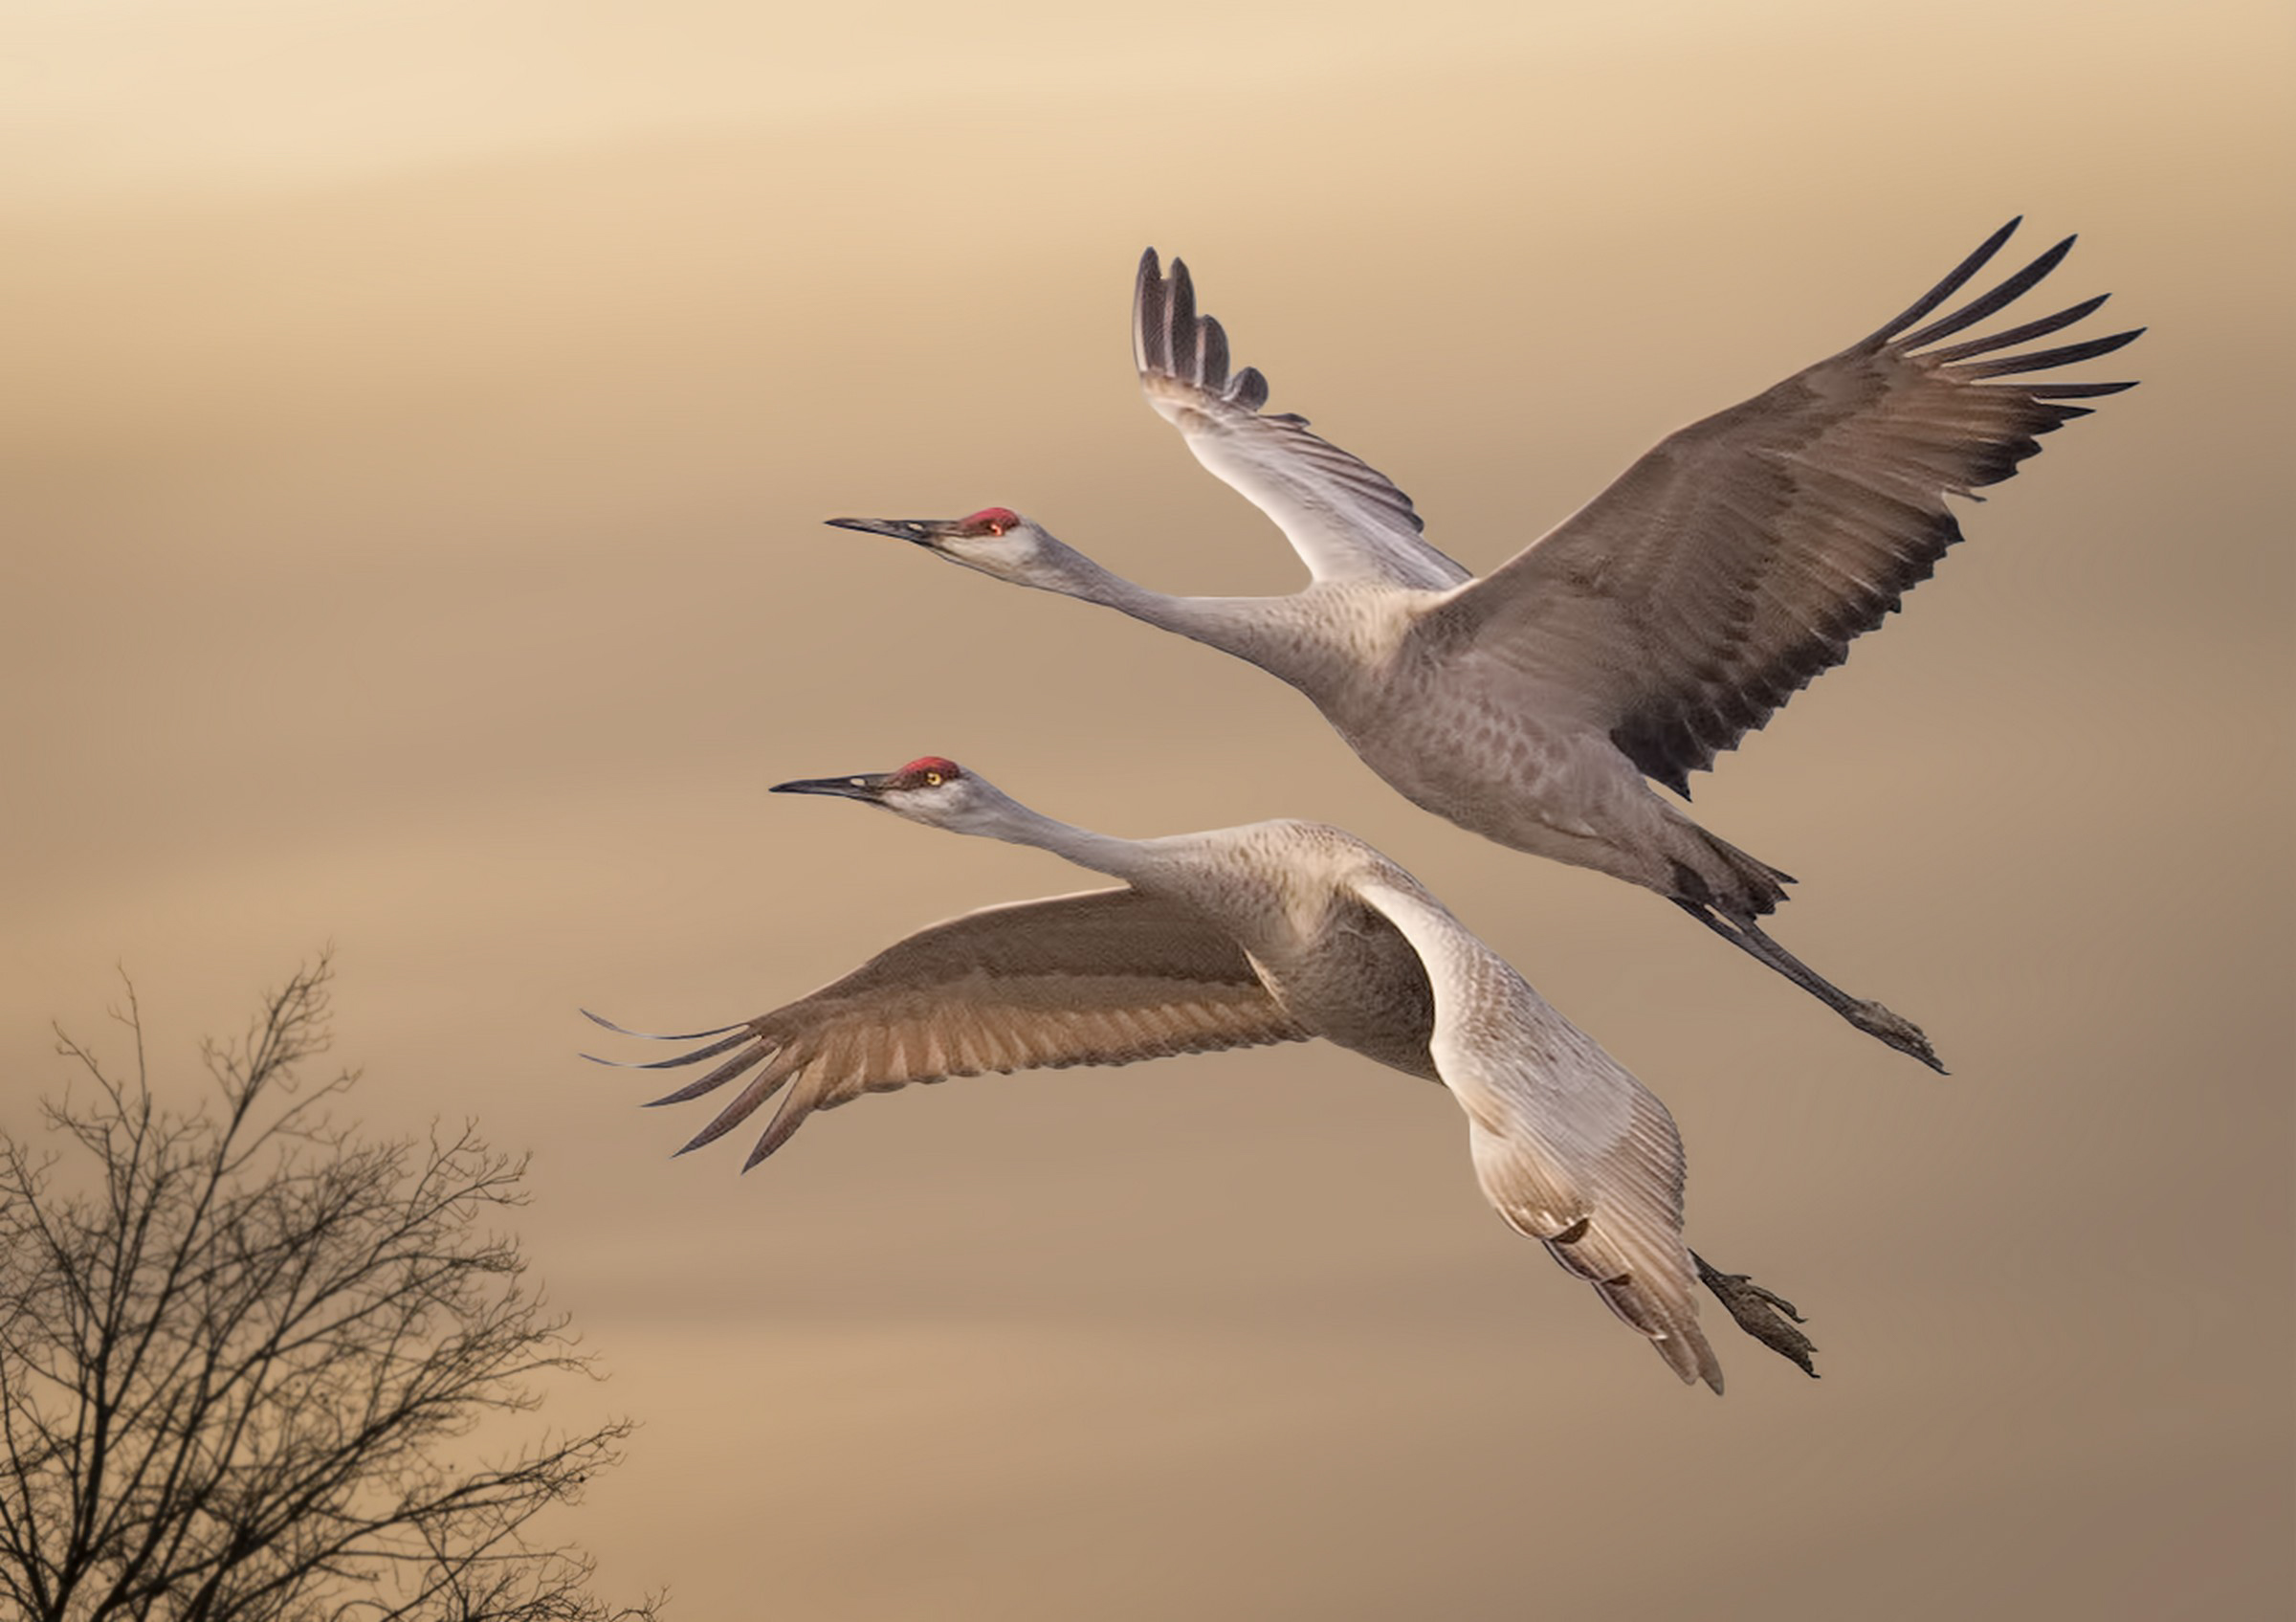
(928, 789)
(995, 541)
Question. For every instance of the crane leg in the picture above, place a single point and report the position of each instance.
(1767, 1317)
(1870, 1018)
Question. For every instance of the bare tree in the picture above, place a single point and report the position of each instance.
(243, 1352)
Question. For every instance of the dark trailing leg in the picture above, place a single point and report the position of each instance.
(1870, 1018)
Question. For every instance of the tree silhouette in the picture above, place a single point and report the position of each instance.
(243, 1352)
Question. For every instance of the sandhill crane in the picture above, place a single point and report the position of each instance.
(1648, 634)
(1275, 932)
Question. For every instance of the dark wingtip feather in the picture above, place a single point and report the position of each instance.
(654, 1035)
(1180, 308)
(2040, 360)
(1985, 305)
(1147, 311)
(717, 1079)
(2017, 335)
(2077, 392)
(784, 1126)
(681, 1060)
(1952, 284)
(1211, 355)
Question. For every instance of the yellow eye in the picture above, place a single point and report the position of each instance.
(932, 779)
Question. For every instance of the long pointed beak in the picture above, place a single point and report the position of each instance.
(866, 787)
(919, 531)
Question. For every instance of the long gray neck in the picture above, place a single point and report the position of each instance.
(1002, 817)
(1271, 633)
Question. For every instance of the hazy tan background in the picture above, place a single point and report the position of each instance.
(420, 418)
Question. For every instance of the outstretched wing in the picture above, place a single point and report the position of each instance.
(1101, 977)
(1737, 560)
(1343, 517)
(1571, 1148)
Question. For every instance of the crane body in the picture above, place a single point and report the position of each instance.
(1648, 634)
(1277, 932)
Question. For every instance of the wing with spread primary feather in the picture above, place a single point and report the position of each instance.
(1344, 518)
(1737, 561)
(1101, 977)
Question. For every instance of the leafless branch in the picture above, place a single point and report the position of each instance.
(240, 1367)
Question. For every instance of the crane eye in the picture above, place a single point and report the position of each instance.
(933, 778)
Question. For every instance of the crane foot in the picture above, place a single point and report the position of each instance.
(1894, 1029)
(1768, 1316)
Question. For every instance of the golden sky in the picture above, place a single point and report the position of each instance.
(419, 422)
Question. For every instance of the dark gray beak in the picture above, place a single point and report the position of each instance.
(919, 531)
(868, 789)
